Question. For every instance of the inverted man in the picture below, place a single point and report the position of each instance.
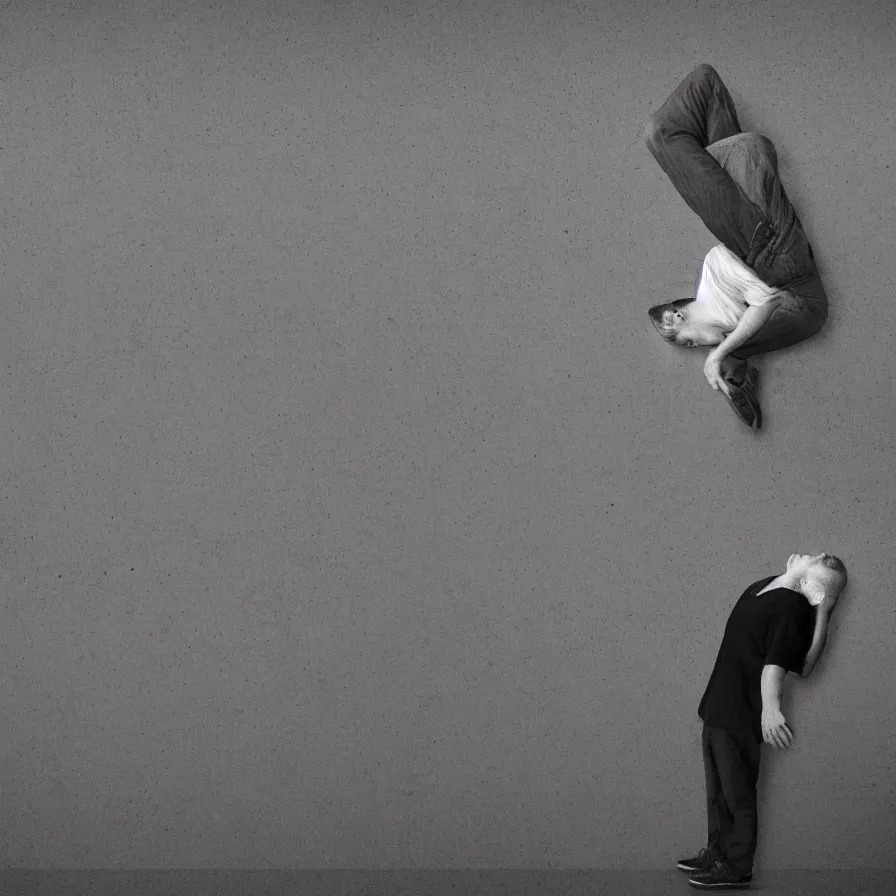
(771, 631)
(760, 289)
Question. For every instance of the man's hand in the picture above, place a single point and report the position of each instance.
(712, 370)
(774, 729)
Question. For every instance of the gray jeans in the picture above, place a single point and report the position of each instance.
(730, 179)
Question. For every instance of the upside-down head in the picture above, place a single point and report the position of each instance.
(674, 322)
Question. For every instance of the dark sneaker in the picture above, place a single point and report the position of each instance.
(750, 387)
(721, 877)
(744, 401)
(703, 861)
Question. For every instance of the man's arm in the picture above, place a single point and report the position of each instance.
(747, 327)
(819, 636)
(774, 728)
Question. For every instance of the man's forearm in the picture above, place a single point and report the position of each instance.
(819, 636)
(772, 686)
(747, 327)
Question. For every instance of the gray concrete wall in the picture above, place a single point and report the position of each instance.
(353, 514)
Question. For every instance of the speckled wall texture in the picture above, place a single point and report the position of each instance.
(353, 513)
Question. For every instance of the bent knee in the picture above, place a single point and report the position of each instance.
(759, 146)
(705, 70)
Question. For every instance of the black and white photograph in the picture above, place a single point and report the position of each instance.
(448, 447)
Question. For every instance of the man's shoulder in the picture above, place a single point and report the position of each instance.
(750, 599)
(785, 602)
(758, 597)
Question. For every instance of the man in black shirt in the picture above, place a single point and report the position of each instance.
(771, 631)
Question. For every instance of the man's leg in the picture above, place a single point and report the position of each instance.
(710, 853)
(796, 319)
(751, 160)
(718, 818)
(700, 112)
(736, 756)
(752, 163)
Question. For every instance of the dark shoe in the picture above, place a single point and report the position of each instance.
(703, 861)
(750, 387)
(721, 877)
(744, 401)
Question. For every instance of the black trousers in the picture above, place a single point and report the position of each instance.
(731, 761)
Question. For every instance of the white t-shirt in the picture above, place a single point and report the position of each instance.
(727, 286)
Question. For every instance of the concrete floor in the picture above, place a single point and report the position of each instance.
(427, 883)
(353, 515)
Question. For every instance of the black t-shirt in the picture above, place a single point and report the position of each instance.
(770, 629)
